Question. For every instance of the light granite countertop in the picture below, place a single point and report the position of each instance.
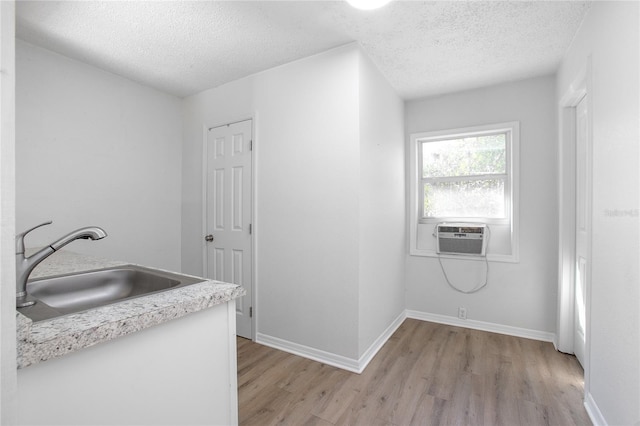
(44, 340)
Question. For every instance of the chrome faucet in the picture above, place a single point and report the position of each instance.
(24, 265)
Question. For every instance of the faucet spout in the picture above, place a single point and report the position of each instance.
(25, 265)
(89, 233)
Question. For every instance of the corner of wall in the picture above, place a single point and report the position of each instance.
(382, 204)
(609, 36)
(8, 371)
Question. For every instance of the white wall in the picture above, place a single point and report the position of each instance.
(306, 155)
(328, 228)
(520, 295)
(382, 204)
(307, 202)
(609, 35)
(93, 148)
(7, 216)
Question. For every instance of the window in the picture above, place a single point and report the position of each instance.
(466, 175)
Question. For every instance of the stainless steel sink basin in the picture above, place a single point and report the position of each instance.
(67, 294)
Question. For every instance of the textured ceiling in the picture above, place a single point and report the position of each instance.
(422, 48)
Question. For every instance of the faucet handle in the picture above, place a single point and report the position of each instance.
(20, 237)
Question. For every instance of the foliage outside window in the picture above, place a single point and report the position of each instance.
(465, 177)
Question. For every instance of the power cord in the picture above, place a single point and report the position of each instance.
(486, 278)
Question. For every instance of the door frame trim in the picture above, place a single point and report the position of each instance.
(565, 328)
(254, 263)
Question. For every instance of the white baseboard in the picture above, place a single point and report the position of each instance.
(484, 326)
(593, 411)
(380, 341)
(555, 342)
(328, 358)
(358, 365)
(345, 363)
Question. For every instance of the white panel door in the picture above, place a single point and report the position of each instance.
(228, 213)
(583, 227)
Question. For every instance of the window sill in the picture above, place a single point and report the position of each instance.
(504, 258)
(435, 221)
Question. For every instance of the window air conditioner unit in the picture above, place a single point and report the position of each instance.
(461, 238)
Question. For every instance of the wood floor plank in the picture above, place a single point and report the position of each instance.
(466, 405)
(426, 374)
(317, 421)
(266, 372)
(336, 404)
(534, 414)
(500, 402)
(264, 407)
(388, 393)
(298, 374)
(429, 411)
(408, 400)
(305, 400)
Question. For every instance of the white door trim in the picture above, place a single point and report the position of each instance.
(203, 197)
(580, 86)
(203, 244)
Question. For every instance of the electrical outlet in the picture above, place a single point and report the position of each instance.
(462, 313)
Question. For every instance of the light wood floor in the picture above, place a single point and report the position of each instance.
(426, 374)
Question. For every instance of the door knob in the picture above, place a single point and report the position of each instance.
(209, 238)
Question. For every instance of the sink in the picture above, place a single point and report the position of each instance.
(72, 293)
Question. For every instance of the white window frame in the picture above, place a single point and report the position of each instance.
(503, 245)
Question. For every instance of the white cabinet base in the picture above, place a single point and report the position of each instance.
(182, 372)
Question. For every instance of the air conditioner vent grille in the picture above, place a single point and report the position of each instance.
(461, 238)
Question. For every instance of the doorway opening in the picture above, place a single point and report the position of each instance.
(575, 211)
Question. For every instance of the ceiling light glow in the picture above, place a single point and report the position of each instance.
(367, 4)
